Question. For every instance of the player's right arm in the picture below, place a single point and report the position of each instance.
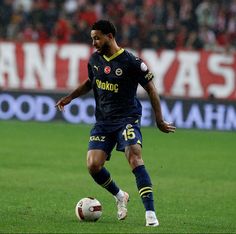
(82, 89)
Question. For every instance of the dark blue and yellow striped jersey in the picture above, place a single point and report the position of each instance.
(114, 82)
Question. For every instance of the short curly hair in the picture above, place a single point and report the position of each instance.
(105, 26)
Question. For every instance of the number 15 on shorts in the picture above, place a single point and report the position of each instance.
(128, 134)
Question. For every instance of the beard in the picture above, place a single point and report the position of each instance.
(104, 49)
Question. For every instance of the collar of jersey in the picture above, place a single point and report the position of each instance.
(114, 55)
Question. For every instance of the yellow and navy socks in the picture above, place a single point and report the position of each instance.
(143, 182)
(104, 179)
(144, 185)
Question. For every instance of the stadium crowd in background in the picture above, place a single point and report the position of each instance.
(158, 24)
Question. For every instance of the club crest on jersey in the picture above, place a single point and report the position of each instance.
(119, 72)
(107, 69)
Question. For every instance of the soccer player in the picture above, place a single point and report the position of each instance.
(114, 74)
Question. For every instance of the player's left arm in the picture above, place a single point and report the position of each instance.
(144, 77)
(155, 101)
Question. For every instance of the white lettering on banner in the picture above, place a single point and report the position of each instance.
(219, 116)
(27, 107)
(82, 114)
(159, 65)
(74, 54)
(43, 67)
(177, 73)
(9, 102)
(188, 75)
(25, 100)
(194, 118)
(214, 114)
(8, 66)
(41, 114)
(175, 115)
(215, 66)
(42, 108)
(230, 119)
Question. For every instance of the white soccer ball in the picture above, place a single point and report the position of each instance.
(88, 209)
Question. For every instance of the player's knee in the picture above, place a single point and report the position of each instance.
(94, 162)
(92, 168)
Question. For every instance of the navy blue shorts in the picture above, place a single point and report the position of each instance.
(106, 136)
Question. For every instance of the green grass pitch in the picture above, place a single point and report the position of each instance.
(43, 174)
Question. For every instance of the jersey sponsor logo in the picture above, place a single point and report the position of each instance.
(149, 76)
(107, 69)
(97, 138)
(119, 72)
(107, 86)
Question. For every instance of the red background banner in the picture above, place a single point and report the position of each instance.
(179, 73)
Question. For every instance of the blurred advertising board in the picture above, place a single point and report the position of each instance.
(178, 73)
(184, 113)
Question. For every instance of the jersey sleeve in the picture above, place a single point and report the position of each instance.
(141, 72)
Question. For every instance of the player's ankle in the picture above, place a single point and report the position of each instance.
(120, 195)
